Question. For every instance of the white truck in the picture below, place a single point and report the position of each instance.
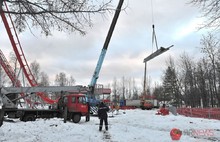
(135, 103)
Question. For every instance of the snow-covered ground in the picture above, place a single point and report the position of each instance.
(126, 126)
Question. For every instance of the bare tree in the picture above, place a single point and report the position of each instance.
(15, 66)
(3, 77)
(210, 47)
(35, 69)
(134, 90)
(189, 84)
(211, 11)
(202, 83)
(71, 81)
(123, 87)
(44, 79)
(115, 91)
(61, 79)
(62, 15)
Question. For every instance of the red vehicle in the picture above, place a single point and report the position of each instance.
(70, 107)
(146, 105)
(75, 106)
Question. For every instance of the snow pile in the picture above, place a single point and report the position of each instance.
(127, 126)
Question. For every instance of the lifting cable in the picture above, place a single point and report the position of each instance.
(154, 37)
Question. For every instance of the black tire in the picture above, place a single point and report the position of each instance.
(2, 112)
(21, 118)
(1, 120)
(29, 117)
(76, 118)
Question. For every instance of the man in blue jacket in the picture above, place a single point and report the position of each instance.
(103, 116)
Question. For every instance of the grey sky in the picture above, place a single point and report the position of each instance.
(175, 24)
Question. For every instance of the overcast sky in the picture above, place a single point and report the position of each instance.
(175, 23)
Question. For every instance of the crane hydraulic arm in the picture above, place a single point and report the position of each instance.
(105, 47)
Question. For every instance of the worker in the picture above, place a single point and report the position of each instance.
(88, 114)
(103, 116)
(61, 103)
(163, 110)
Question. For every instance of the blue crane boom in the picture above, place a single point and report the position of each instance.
(105, 47)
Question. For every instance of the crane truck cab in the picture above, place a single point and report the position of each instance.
(74, 106)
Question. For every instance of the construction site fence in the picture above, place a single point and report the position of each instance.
(127, 107)
(209, 113)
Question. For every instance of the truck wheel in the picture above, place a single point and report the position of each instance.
(1, 117)
(143, 108)
(29, 117)
(2, 112)
(21, 118)
(1, 121)
(76, 118)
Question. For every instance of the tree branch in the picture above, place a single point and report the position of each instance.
(64, 15)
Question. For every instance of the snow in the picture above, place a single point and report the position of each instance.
(125, 126)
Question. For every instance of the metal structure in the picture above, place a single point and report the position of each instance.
(148, 58)
(11, 74)
(31, 90)
(105, 47)
(156, 53)
(15, 42)
(65, 108)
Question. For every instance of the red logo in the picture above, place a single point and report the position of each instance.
(175, 134)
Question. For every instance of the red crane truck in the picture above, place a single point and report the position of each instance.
(71, 105)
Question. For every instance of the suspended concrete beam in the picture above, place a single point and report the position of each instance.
(157, 53)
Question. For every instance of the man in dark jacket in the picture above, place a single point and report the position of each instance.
(103, 116)
(88, 115)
